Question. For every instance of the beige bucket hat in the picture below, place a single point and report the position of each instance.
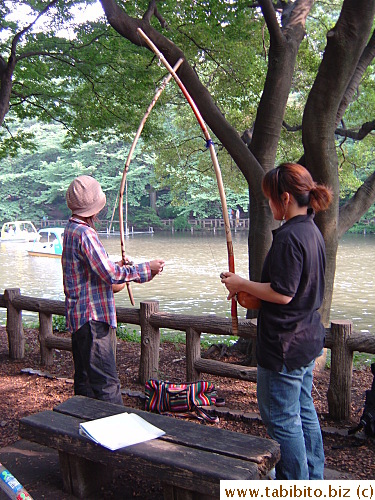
(85, 197)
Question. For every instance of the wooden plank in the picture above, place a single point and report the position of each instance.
(150, 342)
(82, 477)
(229, 370)
(208, 324)
(16, 336)
(170, 463)
(47, 306)
(264, 452)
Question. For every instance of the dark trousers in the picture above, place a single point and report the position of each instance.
(95, 373)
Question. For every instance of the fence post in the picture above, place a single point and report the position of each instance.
(112, 332)
(16, 338)
(45, 330)
(340, 385)
(150, 342)
(193, 352)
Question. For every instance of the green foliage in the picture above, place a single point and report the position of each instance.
(164, 206)
(129, 334)
(208, 340)
(34, 183)
(124, 332)
(362, 228)
(360, 359)
(194, 192)
(356, 164)
(72, 71)
(144, 218)
(58, 323)
(84, 76)
(181, 223)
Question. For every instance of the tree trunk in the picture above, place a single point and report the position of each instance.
(152, 192)
(343, 51)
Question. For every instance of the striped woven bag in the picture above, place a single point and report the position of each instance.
(167, 397)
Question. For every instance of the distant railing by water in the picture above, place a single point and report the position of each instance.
(339, 338)
(113, 227)
(210, 224)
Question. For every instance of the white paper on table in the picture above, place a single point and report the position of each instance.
(119, 430)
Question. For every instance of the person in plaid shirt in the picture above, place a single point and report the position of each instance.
(90, 279)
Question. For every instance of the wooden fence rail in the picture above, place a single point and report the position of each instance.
(339, 338)
(112, 226)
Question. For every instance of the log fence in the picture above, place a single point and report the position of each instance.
(339, 338)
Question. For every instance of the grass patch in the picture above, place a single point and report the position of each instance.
(123, 332)
(30, 324)
(360, 359)
(58, 323)
(130, 334)
(363, 359)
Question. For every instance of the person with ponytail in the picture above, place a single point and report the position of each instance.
(290, 334)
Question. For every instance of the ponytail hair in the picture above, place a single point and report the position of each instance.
(296, 180)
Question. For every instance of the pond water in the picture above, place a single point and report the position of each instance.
(190, 283)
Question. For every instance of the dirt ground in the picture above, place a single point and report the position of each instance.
(26, 388)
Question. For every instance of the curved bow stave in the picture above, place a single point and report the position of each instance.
(210, 146)
(127, 164)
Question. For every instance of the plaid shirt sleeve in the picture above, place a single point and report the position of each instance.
(107, 270)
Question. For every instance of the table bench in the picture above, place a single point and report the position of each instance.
(189, 460)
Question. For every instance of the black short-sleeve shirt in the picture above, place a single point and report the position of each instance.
(292, 334)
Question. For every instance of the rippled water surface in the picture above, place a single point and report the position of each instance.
(190, 282)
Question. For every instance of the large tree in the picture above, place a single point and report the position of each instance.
(346, 57)
(57, 66)
(255, 87)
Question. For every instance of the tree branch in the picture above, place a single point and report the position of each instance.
(210, 55)
(365, 60)
(153, 11)
(48, 113)
(283, 51)
(127, 27)
(7, 69)
(353, 209)
(18, 36)
(358, 135)
(66, 48)
(269, 15)
(296, 14)
(292, 128)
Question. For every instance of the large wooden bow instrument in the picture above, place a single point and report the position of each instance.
(210, 146)
(126, 169)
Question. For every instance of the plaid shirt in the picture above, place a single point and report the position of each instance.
(88, 275)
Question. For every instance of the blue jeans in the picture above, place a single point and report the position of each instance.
(287, 409)
(95, 373)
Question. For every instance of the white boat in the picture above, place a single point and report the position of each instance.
(19, 231)
(50, 243)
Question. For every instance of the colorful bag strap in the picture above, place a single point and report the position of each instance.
(203, 415)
